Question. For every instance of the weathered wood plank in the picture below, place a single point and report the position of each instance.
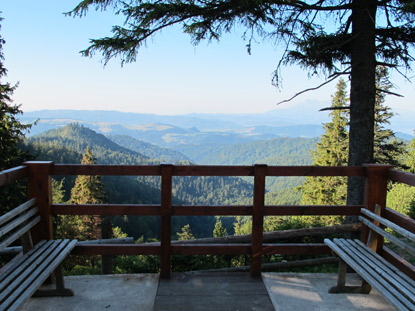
(295, 249)
(19, 262)
(400, 176)
(389, 224)
(18, 233)
(17, 221)
(316, 171)
(106, 170)
(258, 220)
(165, 235)
(381, 263)
(213, 249)
(387, 235)
(10, 285)
(376, 183)
(212, 170)
(115, 249)
(13, 174)
(355, 265)
(274, 235)
(200, 210)
(106, 209)
(16, 211)
(41, 273)
(399, 219)
(40, 187)
(398, 262)
(310, 210)
(389, 279)
(203, 210)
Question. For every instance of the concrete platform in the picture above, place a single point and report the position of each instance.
(208, 291)
(125, 292)
(309, 292)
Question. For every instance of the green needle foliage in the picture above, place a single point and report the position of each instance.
(89, 190)
(12, 133)
(332, 148)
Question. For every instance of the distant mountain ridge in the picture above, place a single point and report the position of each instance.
(172, 131)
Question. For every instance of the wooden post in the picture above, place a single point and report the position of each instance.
(375, 194)
(39, 187)
(165, 235)
(258, 219)
(106, 233)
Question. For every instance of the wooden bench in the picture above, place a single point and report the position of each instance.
(21, 277)
(376, 272)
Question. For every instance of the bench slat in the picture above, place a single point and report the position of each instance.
(21, 272)
(18, 221)
(16, 211)
(378, 270)
(43, 273)
(18, 261)
(17, 234)
(407, 282)
(387, 235)
(407, 234)
(355, 265)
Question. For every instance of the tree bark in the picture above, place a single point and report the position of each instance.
(362, 93)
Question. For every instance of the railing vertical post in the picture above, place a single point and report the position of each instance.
(375, 193)
(258, 219)
(39, 186)
(165, 236)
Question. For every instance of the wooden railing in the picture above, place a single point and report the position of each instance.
(39, 175)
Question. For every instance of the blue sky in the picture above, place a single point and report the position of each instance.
(171, 76)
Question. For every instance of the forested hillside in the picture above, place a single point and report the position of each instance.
(277, 151)
(149, 150)
(66, 145)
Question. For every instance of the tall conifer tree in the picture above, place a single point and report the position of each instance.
(387, 149)
(89, 190)
(12, 133)
(331, 150)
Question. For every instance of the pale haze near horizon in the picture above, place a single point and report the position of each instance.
(170, 77)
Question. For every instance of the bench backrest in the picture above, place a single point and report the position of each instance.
(378, 225)
(18, 222)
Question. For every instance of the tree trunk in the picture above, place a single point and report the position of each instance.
(362, 93)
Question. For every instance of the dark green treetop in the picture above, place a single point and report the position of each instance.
(12, 131)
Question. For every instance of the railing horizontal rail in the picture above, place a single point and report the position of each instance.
(399, 219)
(199, 249)
(316, 171)
(295, 249)
(211, 249)
(309, 210)
(398, 262)
(106, 209)
(13, 174)
(212, 170)
(400, 176)
(116, 249)
(205, 170)
(236, 210)
(203, 210)
(110, 170)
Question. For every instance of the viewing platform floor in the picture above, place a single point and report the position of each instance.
(200, 291)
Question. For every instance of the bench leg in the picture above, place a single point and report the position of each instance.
(341, 287)
(60, 287)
